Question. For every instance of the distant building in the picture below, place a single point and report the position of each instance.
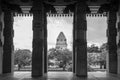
(61, 42)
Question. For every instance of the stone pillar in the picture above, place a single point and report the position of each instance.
(1, 39)
(81, 43)
(74, 46)
(112, 33)
(118, 40)
(38, 37)
(8, 42)
(45, 44)
(118, 48)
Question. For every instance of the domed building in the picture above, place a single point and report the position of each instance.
(61, 42)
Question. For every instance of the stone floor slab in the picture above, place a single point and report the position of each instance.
(60, 76)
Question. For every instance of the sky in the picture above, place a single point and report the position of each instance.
(59, 24)
(96, 31)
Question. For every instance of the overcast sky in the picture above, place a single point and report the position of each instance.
(96, 31)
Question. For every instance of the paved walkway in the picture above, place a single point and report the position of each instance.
(60, 76)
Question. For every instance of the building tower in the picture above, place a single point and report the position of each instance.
(61, 42)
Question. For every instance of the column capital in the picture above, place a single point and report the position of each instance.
(109, 7)
(10, 7)
(82, 7)
(37, 6)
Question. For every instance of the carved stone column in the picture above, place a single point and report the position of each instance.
(1, 39)
(118, 40)
(118, 49)
(80, 39)
(8, 42)
(112, 33)
(111, 9)
(45, 44)
(38, 37)
(74, 45)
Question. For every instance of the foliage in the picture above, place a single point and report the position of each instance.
(63, 56)
(22, 57)
(93, 49)
(93, 54)
(97, 55)
(104, 46)
(104, 51)
(92, 58)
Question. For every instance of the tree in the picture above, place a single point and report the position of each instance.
(63, 56)
(97, 55)
(93, 49)
(22, 57)
(93, 54)
(104, 51)
(52, 53)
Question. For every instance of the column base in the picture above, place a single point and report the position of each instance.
(118, 64)
(1, 52)
(36, 75)
(118, 54)
(81, 75)
(113, 65)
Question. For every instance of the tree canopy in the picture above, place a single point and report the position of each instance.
(22, 57)
(97, 54)
(93, 49)
(63, 56)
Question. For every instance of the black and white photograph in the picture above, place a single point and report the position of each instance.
(59, 39)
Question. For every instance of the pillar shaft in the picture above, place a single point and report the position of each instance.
(74, 46)
(81, 43)
(112, 33)
(1, 39)
(118, 49)
(8, 42)
(45, 45)
(38, 37)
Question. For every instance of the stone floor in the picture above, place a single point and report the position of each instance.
(60, 76)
